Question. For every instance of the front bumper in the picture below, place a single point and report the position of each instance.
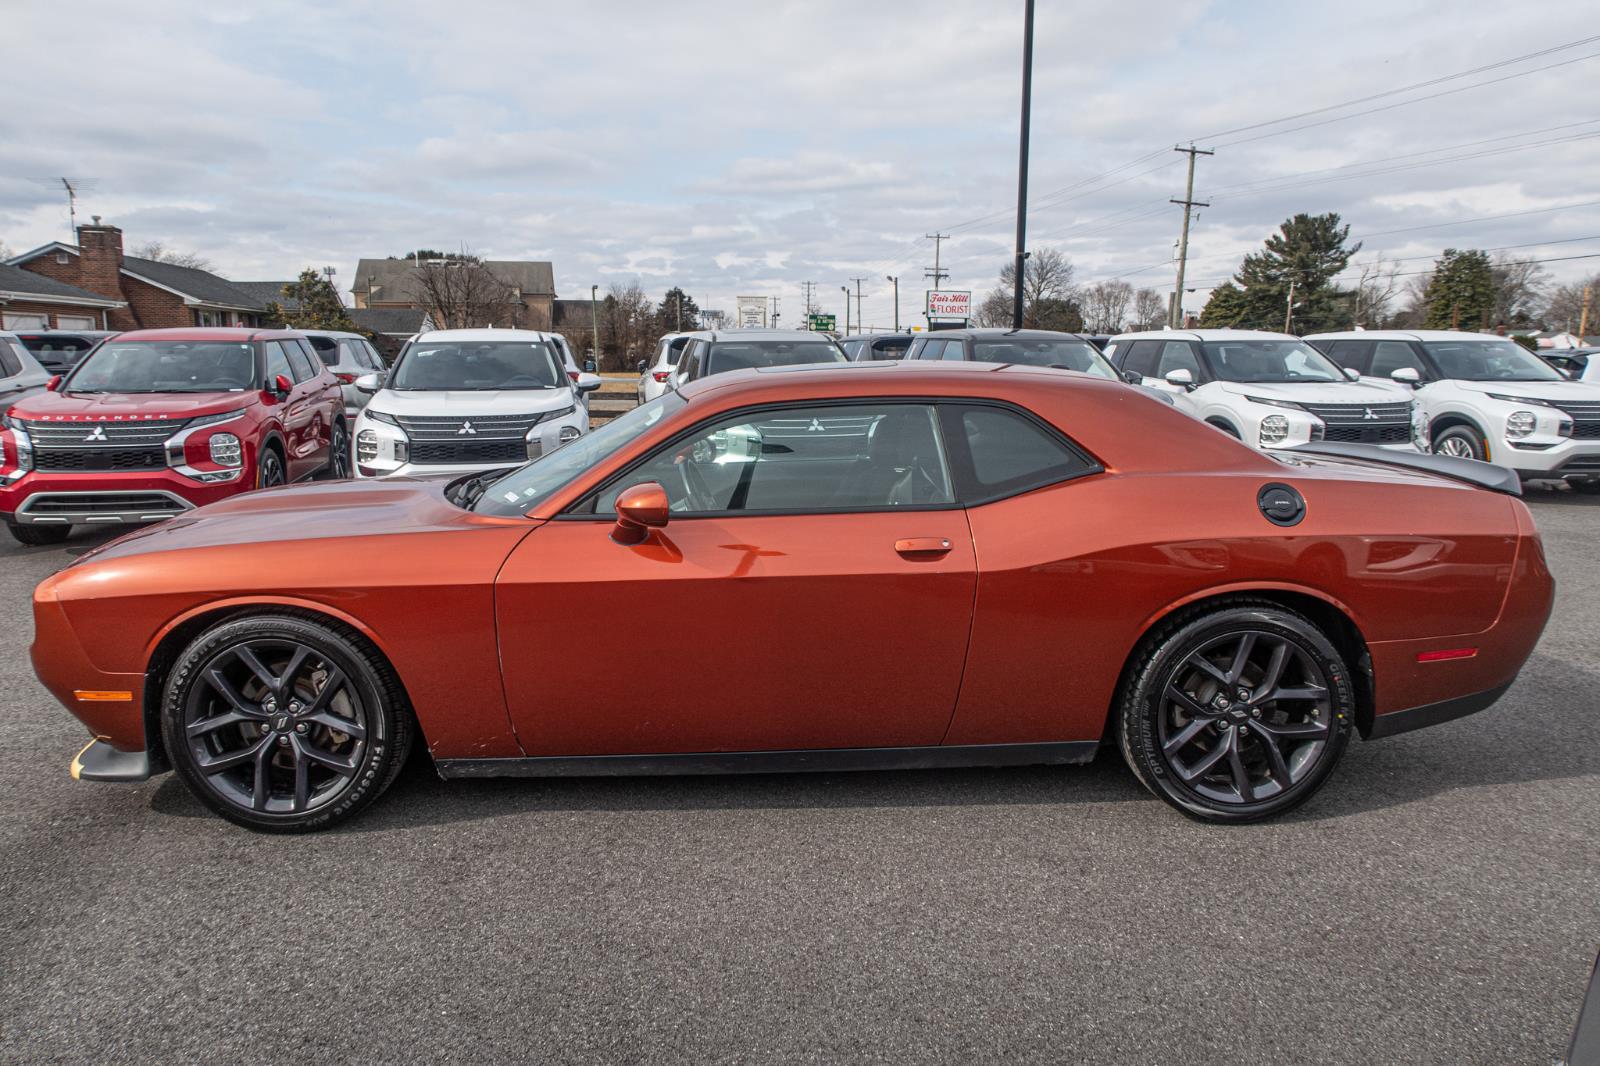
(50, 498)
(1566, 458)
(387, 440)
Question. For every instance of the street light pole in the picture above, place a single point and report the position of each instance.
(594, 320)
(846, 290)
(896, 283)
(1022, 161)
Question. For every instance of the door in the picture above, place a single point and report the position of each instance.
(297, 412)
(813, 589)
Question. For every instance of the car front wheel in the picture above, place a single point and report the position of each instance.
(284, 724)
(1237, 713)
(36, 536)
(1462, 443)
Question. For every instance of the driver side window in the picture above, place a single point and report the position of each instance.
(802, 459)
(1177, 355)
(277, 363)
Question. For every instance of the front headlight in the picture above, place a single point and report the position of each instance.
(1274, 403)
(551, 416)
(366, 446)
(381, 416)
(1520, 424)
(1274, 429)
(226, 450)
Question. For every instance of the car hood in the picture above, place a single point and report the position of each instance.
(87, 407)
(1554, 391)
(318, 511)
(466, 402)
(1351, 392)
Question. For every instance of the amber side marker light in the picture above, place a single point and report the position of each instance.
(1449, 653)
(97, 696)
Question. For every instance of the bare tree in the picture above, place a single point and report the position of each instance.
(1375, 293)
(1414, 293)
(1519, 289)
(160, 253)
(463, 293)
(1565, 309)
(1149, 309)
(1105, 306)
(1049, 300)
(627, 324)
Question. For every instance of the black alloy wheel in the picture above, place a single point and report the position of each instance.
(283, 724)
(269, 469)
(1236, 714)
(338, 468)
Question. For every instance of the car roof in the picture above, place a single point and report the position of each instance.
(490, 334)
(1206, 335)
(756, 335)
(908, 335)
(206, 333)
(332, 333)
(1408, 335)
(894, 377)
(977, 332)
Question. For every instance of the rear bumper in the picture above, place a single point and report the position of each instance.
(99, 761)
(1387, 725)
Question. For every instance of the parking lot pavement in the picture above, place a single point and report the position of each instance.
(1438, 902)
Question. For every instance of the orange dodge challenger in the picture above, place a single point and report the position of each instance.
(876, 565)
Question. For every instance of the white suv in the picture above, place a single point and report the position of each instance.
(1270, 390)
(1484, 397)
(654, 372)
(461, 400)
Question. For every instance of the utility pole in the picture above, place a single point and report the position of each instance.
(1583, 319)
(772, 311)
(1288, 307)
(896, 283)
(846, 290)
(1022, 161)
(594, 319)
(858, 282)
(811, 307)
(1175, 319)
(680, 311)
(936, 274)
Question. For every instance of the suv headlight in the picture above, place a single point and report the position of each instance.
(226, 450)
(1275, 403)
(1274, 429)
(551, 416)
(1520, 424)
(381, 416)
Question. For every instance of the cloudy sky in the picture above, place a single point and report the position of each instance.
(747, 148)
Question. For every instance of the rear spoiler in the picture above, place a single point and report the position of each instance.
(1484, 475)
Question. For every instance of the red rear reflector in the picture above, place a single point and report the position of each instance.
(1448, 653)
(346, 379)
(662, 375)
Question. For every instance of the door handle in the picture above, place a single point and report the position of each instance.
(922, 545)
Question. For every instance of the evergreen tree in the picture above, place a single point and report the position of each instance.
(316, 305)
(1226, 309)
(1461, 292)
(667, 315)
(1307, 253)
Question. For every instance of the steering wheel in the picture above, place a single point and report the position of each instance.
(696, 492)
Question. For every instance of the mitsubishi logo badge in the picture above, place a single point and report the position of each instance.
(1369, 416)
(466, 430)
(816, 426)
(99, 434)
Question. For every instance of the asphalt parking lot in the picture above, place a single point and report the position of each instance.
(1439, 901)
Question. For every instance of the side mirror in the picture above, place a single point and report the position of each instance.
(589, 366)
(282, 386)
(588, 382)
(1133, 377)
(1181, 378)
(642, 365)
(54, 383)
(369, 382)
(1351, 373)
(1407, 375)
(640, 508)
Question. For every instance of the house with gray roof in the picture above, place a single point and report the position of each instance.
(394, 284)
(30, 301)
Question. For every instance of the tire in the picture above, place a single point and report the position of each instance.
(338, 468)
(1226, 428)
(38, 536)
(1464, 442)
(271, 757)
(270, 470)
(1209, 754)
(1591, 487)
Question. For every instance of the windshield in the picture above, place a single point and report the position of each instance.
(1065, 352)
(742, 355)
(434, 366)
(1286, 361)
(166, 366)
(527, 486)
(1489, 360)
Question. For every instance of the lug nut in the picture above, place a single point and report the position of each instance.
(283, 742)
(300, 727)
(1255, 712)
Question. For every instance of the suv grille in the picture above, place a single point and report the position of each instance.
(468, 450)
(1368, 434)
(99, 458)
(98, 503)
(482, 427)
(1356, 414)
(1585, 419)
(77, 434)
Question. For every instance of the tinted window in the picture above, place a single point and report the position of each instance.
(327, 349)
(10, 365)
(808, 459)
(1389, 356)
(1351, 354)
(745, 355)
(1269, 361)
(1065, 353)
(890, 348)
(277, 363)
(1141, 358)
(1177, 355)
(301, 360)
(1011, 453)
(955, 351)
(852, 349)
(675, 352)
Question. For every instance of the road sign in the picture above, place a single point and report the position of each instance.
(821, 323)
(949, 303)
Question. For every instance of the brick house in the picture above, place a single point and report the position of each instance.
(33, 301)
(390, 284)
(142, 293)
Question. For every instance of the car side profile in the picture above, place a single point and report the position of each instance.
(153, 423)
(20, 372)
(1484, 397)
(722, 351)
(655, 371)
(1037, 579)
(349, 356)
(1269, 390)
(58, 350)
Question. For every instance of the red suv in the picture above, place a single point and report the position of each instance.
(158, 421)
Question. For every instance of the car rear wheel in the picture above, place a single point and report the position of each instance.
(338, 468)
(283, 724)
(1462, 442)
(1237, 713)
(36, 536)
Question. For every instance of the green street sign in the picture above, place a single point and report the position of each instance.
(821, 324)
